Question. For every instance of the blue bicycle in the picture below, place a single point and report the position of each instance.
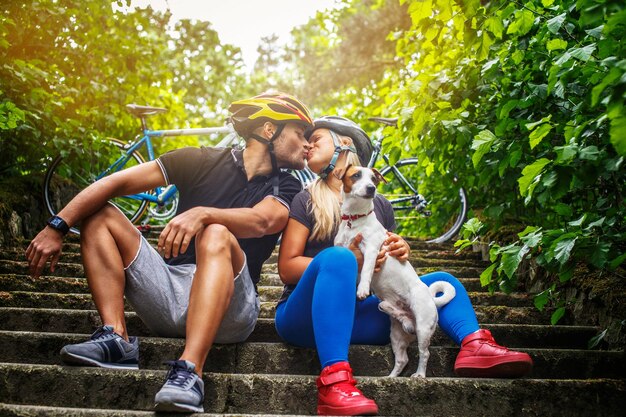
(71, 172)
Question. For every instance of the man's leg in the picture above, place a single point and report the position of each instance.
(109, 242)
(218, 259)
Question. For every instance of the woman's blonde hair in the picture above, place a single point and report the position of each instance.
(325, 205)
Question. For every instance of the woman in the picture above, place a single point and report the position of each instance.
(319, 308)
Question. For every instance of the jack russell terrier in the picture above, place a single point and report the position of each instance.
(411, 304)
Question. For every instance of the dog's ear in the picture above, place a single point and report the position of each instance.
(342, 173)
(379, 176)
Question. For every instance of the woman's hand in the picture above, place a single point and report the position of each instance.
(354, 247)
(395, 246)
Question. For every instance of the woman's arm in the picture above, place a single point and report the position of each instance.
(291, 259)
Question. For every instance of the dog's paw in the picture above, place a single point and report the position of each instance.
(362, 292)
(418, 375)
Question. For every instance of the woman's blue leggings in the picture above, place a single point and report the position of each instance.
(323, 312)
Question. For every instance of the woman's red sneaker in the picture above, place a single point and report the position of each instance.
(338, 394)
(482, 357)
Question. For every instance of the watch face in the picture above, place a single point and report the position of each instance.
(55, 222)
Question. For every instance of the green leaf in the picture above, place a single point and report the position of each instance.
(590, 153)
(506, 109)
(523, 23)
(515, 158)
(530, 176)
(495, 26)
(473, 226)
(555, 23)
(600, 255)
(595, 341)
(563, 250)
(563, 209)
(579, 222)
(557, 315)
(613, 75)
(531, 126)
(538, 134)
(533, 239)
(517, 56)
(486, 275)
(556, 44)
(617, 261)
(618, 134)
(482, 144)
(583, 53)
(511, 258)
(485, 45)
(541, 300)
(565, 154)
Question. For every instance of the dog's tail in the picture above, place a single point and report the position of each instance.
(444, 288)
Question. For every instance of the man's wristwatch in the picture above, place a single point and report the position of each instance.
(59, 224)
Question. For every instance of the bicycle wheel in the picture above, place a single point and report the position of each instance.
(427, 207)
(69, 174)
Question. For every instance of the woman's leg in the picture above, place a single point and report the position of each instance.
(371, 326)
(320, 312)
(457, 318)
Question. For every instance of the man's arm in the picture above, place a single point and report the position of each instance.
(47, 244)
(267, 217)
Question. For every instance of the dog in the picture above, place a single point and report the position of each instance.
(411, 305)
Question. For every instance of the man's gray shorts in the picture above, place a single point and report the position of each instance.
(159, 293)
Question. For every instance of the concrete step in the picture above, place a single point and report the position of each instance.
(58, 386)
(19, 282)
(85, 321)
(70, 269)
(68, 285)
(439, 259)
(486, 313)
(268, 295)
(18, 410)
(278, 358)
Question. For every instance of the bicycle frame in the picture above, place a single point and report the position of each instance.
(162, 194)
(374, 158)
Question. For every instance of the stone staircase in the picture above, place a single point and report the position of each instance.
(266, 376)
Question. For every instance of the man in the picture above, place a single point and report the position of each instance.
(201, 282)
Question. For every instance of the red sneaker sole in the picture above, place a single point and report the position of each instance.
(361, 410)
(499, 370)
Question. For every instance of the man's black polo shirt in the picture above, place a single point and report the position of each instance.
(216, 177)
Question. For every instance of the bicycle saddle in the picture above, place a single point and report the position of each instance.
(141, 111)
(385, 120)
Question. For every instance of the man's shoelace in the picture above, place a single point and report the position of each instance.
(178, 375)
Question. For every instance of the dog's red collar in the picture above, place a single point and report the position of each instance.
(351, 217)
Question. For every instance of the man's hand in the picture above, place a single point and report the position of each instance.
(354, 247)
(177, 235)
(395, 246)
(45, 246)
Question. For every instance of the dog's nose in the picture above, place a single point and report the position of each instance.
(370, 189)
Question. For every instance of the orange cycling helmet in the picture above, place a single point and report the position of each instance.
(278, 108)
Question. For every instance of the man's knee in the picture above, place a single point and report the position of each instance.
(214, 239)
(103, 217)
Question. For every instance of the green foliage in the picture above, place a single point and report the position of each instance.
(524, 102)
(69, 67)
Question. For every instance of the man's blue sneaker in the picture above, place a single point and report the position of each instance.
(105, 349)
(183, 390)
